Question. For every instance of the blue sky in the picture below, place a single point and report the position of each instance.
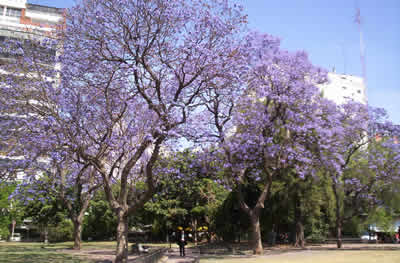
(326, 30)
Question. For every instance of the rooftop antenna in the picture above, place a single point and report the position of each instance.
(358, 20)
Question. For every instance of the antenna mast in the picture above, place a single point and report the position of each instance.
(359, 21)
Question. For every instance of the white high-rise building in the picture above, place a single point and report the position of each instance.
(341, 88)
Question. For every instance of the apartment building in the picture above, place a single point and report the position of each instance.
(341, 87)
(20, 20)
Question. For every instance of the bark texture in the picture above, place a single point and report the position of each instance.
(122, 239)
(256, 235)
(299, 235)
(77, 234)
(338, 217)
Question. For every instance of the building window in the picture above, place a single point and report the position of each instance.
(43, 22)
(14, 12)
(1, 10)
(359, 91)
(344, 87)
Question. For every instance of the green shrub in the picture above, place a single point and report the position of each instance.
(316, 237)
(4, 233)
(318, 233)
(63, 231)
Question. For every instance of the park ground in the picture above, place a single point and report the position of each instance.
(311, 256)
(16, 252)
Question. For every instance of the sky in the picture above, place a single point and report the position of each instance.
(327, 32)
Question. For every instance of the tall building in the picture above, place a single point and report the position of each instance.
(23, 22)
(342, 87)
(20, 20)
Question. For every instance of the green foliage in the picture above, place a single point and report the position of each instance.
(181, 201)
(374, 195)
(318, 234)
(383, 219)
(45, 212)
(317, 207)
(9, 209)
(4, 218)
(4, 223)
(231, 222)
(100, 223)
(63, 231)
(354, 227)
(292, 199)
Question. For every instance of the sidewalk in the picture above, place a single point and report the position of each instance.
(173, 256)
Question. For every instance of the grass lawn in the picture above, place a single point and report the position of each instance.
(13, 252)
(310, 256)
(18, 252)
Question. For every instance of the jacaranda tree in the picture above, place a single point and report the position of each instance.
(356, 126)
(70, 184)
(38, 129)
(274, 126)
(130, 75)
(125, 79)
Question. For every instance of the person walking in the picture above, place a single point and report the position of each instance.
(181, 243)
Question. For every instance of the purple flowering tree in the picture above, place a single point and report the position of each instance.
(74, 188)
(384, 157)
(131, 74)
(36, 129)
(370, 177)
(273, 126)
(356, 127)
(74, 185)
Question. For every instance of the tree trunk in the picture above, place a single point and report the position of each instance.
(195, 231)
(207, 233)
(77, 234)
(13, 223)
(299, 235)
(46, 234)
(339, 232)
(254, 213)
(122, 238)
(338, 217)
(256, 234)
(299, 231)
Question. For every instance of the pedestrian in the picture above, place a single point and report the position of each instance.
(181, 242)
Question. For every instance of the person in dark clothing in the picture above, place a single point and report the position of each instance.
(181, 243)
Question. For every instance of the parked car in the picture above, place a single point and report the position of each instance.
(16, 237)
(365, 237)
